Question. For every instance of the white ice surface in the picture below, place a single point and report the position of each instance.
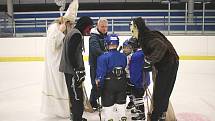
(193, 97)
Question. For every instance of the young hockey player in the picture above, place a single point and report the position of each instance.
(140, 79)
(110, 79)
(127, 50)
(160, 53)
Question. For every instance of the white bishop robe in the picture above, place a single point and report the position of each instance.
(55, 100)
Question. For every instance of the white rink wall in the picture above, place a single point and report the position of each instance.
(34, 46)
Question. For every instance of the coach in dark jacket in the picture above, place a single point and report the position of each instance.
(96, 48)
(159, 53)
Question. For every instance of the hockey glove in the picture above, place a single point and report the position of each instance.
(79, 77)
(147, 66)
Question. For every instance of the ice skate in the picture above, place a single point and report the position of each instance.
(123, 119)
(130, 105)
(97, 108)
(140, 117)
(133, 111)
(84, 119)
(158, 118)
(162, 117)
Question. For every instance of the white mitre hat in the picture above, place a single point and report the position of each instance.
(72, 11)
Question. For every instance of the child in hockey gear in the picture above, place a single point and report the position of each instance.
(72, 65)
(127, 50)
(141, 80)
(110, 79)
(160, 53)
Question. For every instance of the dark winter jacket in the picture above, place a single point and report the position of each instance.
(72, 57)
(96, 46)
(158, 49)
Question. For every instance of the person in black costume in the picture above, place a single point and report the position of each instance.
(160, 53)
(72, 65)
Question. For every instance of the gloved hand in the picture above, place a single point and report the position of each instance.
(147, 66)
(79, 76)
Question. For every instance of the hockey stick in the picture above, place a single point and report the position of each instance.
(120, 48)
(87, 105)
(99, 109)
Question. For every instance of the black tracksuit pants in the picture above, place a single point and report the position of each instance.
(163, 87)
(93, 94)
(75, 97)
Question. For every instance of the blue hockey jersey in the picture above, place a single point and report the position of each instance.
(107, 61)
(137, 76)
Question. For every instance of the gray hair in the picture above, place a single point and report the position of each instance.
(102, 19)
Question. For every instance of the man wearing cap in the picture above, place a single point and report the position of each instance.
(55, 100)
(110, 79)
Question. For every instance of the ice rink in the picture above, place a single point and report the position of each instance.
(193, 97)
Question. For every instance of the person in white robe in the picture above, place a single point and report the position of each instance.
(55, 99)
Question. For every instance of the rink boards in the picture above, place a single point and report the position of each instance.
(33, 48)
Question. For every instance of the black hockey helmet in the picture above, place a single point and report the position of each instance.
(133, 42)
